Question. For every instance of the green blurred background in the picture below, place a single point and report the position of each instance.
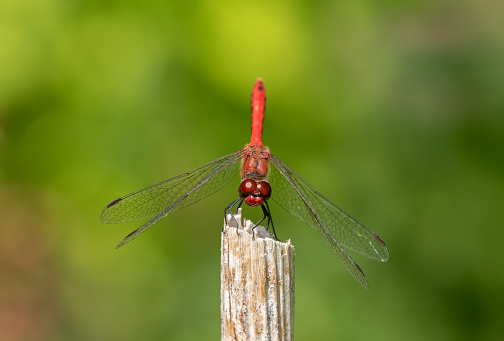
(393, 109)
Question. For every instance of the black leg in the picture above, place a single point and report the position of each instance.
(267, 213)
(229, 208)
(239, 205)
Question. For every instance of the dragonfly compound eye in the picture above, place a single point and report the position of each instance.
(265, 189)
(247, 187)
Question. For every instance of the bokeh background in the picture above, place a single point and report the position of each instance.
(393, 109)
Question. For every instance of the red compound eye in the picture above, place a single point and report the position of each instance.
(265, 189)
(247, 187)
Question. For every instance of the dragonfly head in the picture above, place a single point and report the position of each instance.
(254, 193)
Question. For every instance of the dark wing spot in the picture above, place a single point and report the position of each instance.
(379, 240)
(114, 202)
(129, 235)
(358, 268)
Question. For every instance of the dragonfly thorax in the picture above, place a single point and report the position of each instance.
(255, 163)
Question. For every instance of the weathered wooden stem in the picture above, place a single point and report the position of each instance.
(257, 284)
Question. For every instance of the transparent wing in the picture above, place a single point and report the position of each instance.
(164, 197)
(337, 227)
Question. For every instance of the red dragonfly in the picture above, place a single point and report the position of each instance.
(263, 176)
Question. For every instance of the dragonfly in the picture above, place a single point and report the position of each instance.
(263, 177)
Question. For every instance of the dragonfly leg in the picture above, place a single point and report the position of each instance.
(267, 212)
(229, 209)
(239, 205)
(260, 221)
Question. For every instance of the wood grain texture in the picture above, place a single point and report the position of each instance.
(257, 285)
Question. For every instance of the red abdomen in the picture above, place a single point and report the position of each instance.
(257, 104)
